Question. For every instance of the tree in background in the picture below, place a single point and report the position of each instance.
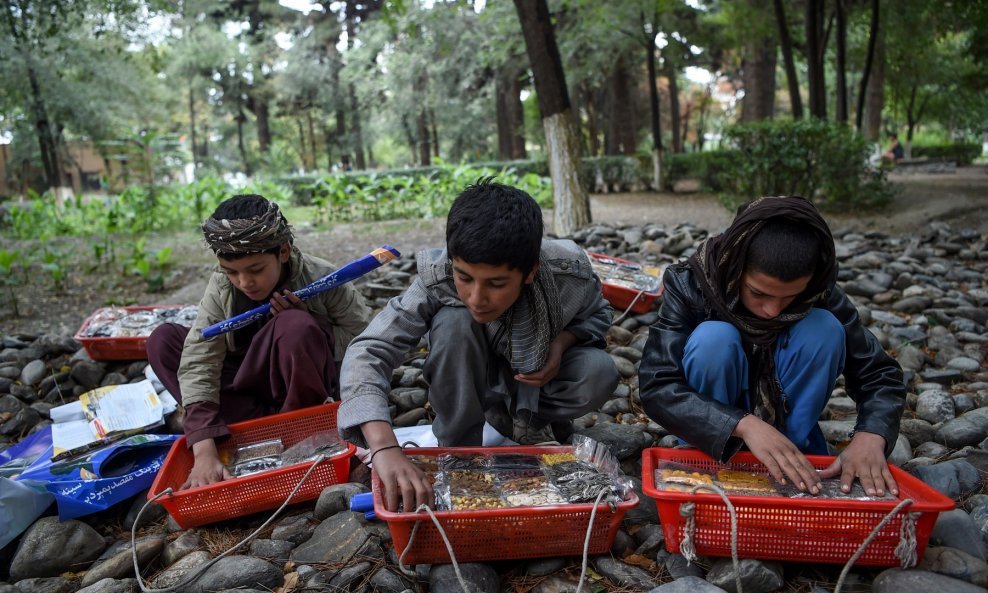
(571, 204)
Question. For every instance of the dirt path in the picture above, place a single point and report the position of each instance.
(960, 199)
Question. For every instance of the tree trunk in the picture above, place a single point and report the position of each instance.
(759, 80)
(510, 114)
(876, 92)
(502, 89)
(356, 132)
(192, 132)
(653, 99)
(841, 62)
(571, 203)
(302, 153)
(702, 124)
(341, 137)
(327, 140)
(313, 154)
(263, 126)
(410, 137)
(240, 142)
(865, 88)
(675, 117)
(425, 151)
(795, 100)
(814, 58)
(622, 123)
(434, 129)
(593, 121)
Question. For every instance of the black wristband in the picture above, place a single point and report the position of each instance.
(383, 449)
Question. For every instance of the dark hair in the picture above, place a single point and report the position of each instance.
(893, 136)
(243, 206)
(784, 249)
(492, 223)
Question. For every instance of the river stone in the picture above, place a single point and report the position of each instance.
(622, 440)
(955, 529)
(902, 452)
(294, 528)
(152, 513)
(963, 403)
(178, 571)
(478, 577)
(624, 575)
(111, 586)
(336, 498)
(118, 560)
(953, 478)
(756, 576)
(49, 548)
(917, 431)
(19, 417)
(625, 367)
(616, 406)
(184, 545)
(337, 539)
(339, 580)
(912, 304)
(962, 363)
(272, 550)
(45, 585)
(957, 564)
(931, 449)
(238, 571)
(88, 374)
(411, 417)
(935, 406)
(968, 429)
(688, 584)
(541, 567)
(942, 376)
(678, 567)
(33, 372)
(387, 581)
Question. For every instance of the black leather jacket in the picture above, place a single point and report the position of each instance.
(872, 377)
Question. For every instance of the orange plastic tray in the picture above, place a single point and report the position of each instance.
(257, 492)
(502, 534)
(117, 348)
(790, 529)
(620, 297)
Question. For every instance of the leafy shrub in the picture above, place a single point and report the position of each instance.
(962, 154)
(823, 161)
(708, 166)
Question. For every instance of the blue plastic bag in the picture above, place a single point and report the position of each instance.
(103, 477)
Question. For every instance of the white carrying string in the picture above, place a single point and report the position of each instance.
(200, 570)
(904, 555)
(452, 556)
(628, 310)
(905, 551)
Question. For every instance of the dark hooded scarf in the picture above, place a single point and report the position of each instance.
(247, 235)
(719, 264)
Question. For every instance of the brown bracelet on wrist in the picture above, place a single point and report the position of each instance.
(383, 449)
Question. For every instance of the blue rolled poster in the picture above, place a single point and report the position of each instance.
(347, 273)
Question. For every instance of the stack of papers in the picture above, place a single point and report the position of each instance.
(106, 414)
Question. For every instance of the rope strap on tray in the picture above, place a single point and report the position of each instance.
(906, 551)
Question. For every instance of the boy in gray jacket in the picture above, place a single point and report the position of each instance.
(511, 319)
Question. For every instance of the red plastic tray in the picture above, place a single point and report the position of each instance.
(502, 534)
(256, 492)
(117, 348)
(620, 297)
(790, 529)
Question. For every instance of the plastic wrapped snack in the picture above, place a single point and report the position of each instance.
(451, 461)
(257, 457)
(326, 443)
(529, 492)
(479, 482)
(734, 481)
(474, 501)
(830, 488)
(426, 463)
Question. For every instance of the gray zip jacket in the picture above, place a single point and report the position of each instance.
(202, 360)
(365, 377)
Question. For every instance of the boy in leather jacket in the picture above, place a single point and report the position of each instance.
(512, 320)
(751, 337)
(283, 362)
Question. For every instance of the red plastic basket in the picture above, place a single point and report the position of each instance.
(117, 348)
(790, 529)
(502, 534)
(620, 297)
(256, 492)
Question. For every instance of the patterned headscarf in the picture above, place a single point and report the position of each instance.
(523, 333)
(247, 235)
(719, 265)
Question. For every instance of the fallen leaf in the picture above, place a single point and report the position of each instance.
(640, 561)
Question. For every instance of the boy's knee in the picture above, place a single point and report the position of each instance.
(821, 327)
(297, 326)
(714, 342)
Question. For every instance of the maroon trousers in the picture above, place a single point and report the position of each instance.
(289, 365)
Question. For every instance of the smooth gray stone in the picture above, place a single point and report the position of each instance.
(336, 498)
(387, 581)
(625, 367)
(917, 431)
(478, 577)
(184, 545)
(963, 403)
(21, 418)
(953, 478)
(624, 575)
(650, 538)
(935, 406)
(837, 431)
(49, 548)
(964, 364)
(941, 376)
(931, 449)
(273, 550)
(111, 586)
(411, 417)
(902, 452)
(955, 529)
(756, 576)
(616, 406)
(88, 373)
(118, 560)
(238, 571)
(339, 580)
(841, 406)
(913, 304)
(409, 398)
(646, 512)
(541, 567)
(560, 583)
(294, 528)
(688, 584)
(152, 513)
(45, 585)
(337, 539)
(181, 569)
(628, 353)
(678, 567)
(33, 372)
(956, 564)
(888, 318)
(968, 429)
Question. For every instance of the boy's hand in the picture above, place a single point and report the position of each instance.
(864, 458)
(782, 458)
(399, 476)
(285, 301)
(207, 468)
(548, 372)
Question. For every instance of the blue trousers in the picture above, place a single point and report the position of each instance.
(808, 359)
